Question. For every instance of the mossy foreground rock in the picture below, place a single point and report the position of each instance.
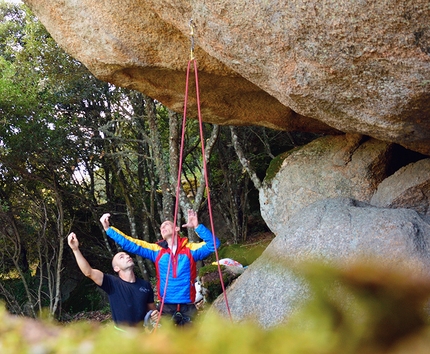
(358, 309)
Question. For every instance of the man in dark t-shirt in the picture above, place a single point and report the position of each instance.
(130, 298)
(128, 301)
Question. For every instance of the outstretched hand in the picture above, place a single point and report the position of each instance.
(73, 241)
(105, 221)
(192, 219)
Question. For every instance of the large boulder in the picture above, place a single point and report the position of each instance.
(332, 230)
(309, 65)
(349, 166)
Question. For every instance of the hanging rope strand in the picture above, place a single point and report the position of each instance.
(181, 152)
(204, 157)
(207, 186)
(178, 184)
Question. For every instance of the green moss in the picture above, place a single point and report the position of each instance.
(244, 254)
(276, 164)
(207, 269)
(211, 282)
(359, 308)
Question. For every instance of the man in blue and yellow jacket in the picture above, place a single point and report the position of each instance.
(181, 275)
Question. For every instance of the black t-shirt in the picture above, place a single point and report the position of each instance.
(128, 301)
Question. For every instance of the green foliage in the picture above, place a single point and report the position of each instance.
(15, 287)
(85, 297)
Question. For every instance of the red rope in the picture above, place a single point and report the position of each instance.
(175, 233)
(207, 187)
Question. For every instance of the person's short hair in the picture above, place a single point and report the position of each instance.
(113, 258)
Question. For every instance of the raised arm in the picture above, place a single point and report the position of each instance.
(94, 274)
(127, 243)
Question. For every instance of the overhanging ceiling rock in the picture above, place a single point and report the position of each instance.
(317, 66)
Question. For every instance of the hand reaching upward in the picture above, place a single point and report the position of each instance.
(192, 219)
(105, 221)
(73, 241)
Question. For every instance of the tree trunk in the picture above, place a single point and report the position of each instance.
(243, 160)
(157, 149)
(59, 260)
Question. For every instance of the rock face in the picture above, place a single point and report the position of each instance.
(408, 188)
(335, 199)
(340, 166)
(350, 166)
(332, 230)
(310, 65)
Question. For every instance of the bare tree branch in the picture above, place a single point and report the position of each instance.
(243, 160)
